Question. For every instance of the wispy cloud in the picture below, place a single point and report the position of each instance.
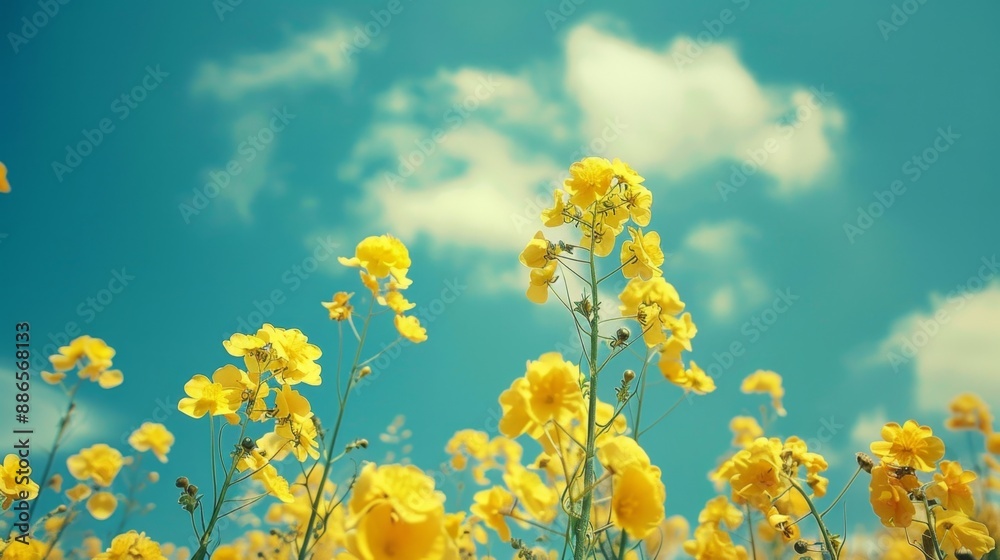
(314, 58)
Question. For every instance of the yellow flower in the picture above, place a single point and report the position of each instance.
(911, 445)
(394, 300)
(598, 234)
(651, 302)
(969, 412)
(637, 197)
(755, 472)
(340, 309)
(693, 379)
(782, 524)
(538, 252)
(291, 357)
(993, 443)
(95, 350)
(53, 378)
(78, 493)
(242, 344)
(590, 179)
(552, 217)
(492, 506)
(101, 505)
(152, 436)
(538, 499)
(35, 549)
(405, 488)
(55, 482)
(4, 184)
(762, 381)
(712, 543)
(382, 256)
(889, 499)
(218, 396)
(539, 280)
(549, 390)
(99, 463)
(380, 535)
(410, 329)
(301, 431)
(621, 452)
(951, 487)
(719, 510)
(132, 546)
(15, 485)
(955, 530)
(637, 500)
(641, 256)
(745, 429)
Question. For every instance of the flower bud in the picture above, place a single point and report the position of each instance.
(801, 546)
(622, 334)
(865, 462)
(182, 482)
(192, 490)
(628, 376)
(248, 444)
(364, 372)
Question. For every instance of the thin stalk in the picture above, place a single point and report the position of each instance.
(310, 526)
(583, 522)
(932, 529)
(842, 492)
(827, 540)
(44, 481)
(753, 541)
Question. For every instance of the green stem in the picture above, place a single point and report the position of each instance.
(827, 541)
(753, 541)
(932, 529)
(328, 462)
(583, 522)
(842, 492)
(43, 482)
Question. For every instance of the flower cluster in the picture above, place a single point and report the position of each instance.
(947, 502)
(93, 358)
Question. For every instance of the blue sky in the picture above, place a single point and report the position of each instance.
(205, 164)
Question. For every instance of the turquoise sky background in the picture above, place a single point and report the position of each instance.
(686, 92)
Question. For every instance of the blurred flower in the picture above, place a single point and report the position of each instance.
(969, 412)
(762, 381)
(99, 463)
(340, 309)
(955, 530)
(410, 329)
(132, 546)
(491, 506)
(152, 436)
(102, 505)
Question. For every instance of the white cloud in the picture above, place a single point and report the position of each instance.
(681, 119)
(311, 58)
(466, 158)
(868, 428)
(718, 252)
(89, 423)
(952, 348)
(255, 160)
